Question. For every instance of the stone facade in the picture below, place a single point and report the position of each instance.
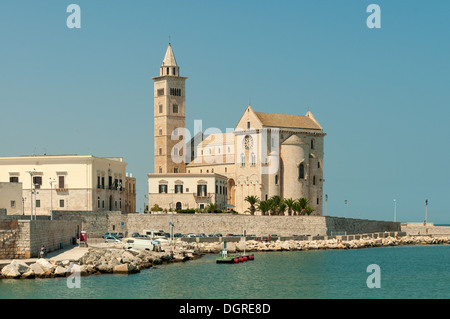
(24, 238)
(265, 155)
(187, 191)
(68, 182)
(11, 197)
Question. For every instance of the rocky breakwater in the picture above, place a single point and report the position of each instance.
(97, 261)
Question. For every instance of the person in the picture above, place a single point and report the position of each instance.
(43, 252)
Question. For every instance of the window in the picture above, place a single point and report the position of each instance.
(312, 144)
(317, 201)
(160, 169)
(13, 204)
(202, 190)
(253, 159)
(173, 71)
(38, 203)
(160, 131)
(225, 169)
(160, 92)
(37, 181)
(242, 159)
(103, 204)
(248, 125)
(217, 189)
(109, 182)
(314, 180)
(98, 202)
(61, 203)
(276, 179)
(163, 189)
(178, 189)
(160, 108)
(14, 179)
(175, 92)
(61, 181)
(160, 151)
(301, 171)
(318, 164)
(175, 108)
(99, 185)
(103, 182)
(175, 169)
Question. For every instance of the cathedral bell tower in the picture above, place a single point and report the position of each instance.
(169, 114)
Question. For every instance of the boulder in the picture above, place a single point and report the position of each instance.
(28, 275)
(127, 268)
(45, 264)
(10, 271)
(60, 271)
(20, 265)
(37, 269)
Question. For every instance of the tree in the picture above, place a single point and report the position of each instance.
(282, 208)
(211, 208)
(263, 206)
(303, 203)
(309, 210)
(252, 200)
(289, 203)
(275, 205)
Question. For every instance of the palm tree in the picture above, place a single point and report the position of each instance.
(252, 200)
(289, 203)
(275, 201)
(296, 207)
(263, 206)
(211, 208)
(309, 210)
(282, 208)
(303, 202)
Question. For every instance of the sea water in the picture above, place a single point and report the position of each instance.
(404, 272)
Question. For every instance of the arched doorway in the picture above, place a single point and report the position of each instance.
(110, 203)
(178, 206)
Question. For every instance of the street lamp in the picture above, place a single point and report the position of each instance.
(31, 192)
(171, 227)
(51, 197)
(345, 208)
(426, 211)
(326, 204)
(395, 210)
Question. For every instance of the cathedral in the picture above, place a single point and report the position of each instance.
(265, 155)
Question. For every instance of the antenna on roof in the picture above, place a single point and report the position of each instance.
(169, 38)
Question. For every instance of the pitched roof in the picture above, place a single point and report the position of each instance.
(169, 59)
(286, 120)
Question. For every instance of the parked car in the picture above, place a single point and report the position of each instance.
(135, 235)
(112, 239)
(178, 235)
(108, 235)
(119, 235)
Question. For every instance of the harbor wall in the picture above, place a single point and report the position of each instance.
(98, 223)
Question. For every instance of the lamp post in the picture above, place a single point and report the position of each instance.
(395, 210)
(326, 204)
(31, 193)
(426, 211)
(51, 198)
(171, 227)
(345, 208)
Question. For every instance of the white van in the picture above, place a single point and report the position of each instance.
(138, 243)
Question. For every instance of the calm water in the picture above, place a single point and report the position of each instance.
(406, 272)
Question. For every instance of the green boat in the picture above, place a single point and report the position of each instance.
(225, 258)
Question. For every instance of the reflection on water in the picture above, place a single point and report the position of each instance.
(406, 272)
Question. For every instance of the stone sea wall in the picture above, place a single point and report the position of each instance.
(98, 223)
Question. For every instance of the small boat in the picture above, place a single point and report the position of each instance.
(225, 258)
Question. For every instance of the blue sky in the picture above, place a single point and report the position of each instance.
(381, 95)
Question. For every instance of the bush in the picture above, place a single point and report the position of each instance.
(186, 211)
